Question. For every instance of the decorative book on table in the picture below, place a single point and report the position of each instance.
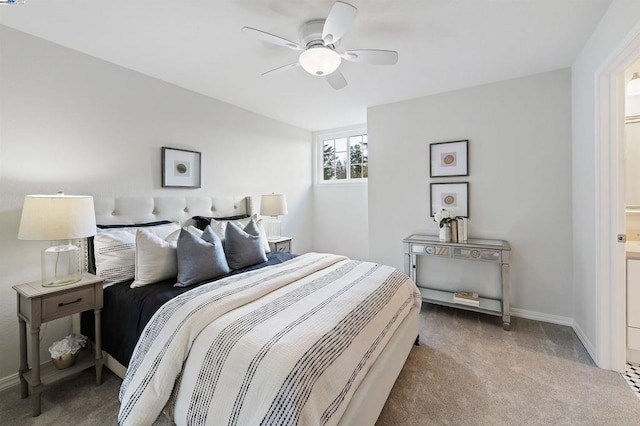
(462, 230)
(466, 298)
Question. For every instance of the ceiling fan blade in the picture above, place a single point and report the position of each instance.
(337, 80)
(282, 68)
(372, 56)
(270, 38)
(338, 22)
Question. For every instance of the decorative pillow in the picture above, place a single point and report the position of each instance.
(156, 258)
(195, 231)
(219, 227)
(262, 234)
(241, 248)
(115, 250)
(200, 258)
(203, 221)
(91, 258)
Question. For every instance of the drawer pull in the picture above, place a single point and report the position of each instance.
(61, 304)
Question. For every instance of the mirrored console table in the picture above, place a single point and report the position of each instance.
(483, 250)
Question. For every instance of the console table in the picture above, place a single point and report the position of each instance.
(483, 250)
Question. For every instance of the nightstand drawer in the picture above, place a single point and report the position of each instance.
(284, 247)
(280, 245)
(62, 305)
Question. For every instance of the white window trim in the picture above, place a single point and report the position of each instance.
(318, 140)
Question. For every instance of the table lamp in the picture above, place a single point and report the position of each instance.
(273, 205)
(61, 219)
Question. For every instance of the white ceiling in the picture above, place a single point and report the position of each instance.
(443, 45)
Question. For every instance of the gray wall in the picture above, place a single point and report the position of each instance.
(75, 123)
(520, 179)
(340, 220)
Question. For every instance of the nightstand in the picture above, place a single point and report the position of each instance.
(37, 305)
(281, 245)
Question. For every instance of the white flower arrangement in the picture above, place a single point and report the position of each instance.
(443, 217)
(69, 345)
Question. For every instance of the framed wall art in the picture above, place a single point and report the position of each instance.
(453, 196)
(449, 159)
(180, 168)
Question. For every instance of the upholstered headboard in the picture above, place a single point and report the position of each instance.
(130, 210)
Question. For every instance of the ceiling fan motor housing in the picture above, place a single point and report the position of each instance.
(311, 34)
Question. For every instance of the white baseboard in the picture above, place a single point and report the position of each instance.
(539, 316)
(9, 381)
(557, 319)
(585, 341)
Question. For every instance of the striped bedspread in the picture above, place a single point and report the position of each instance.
(287, 344)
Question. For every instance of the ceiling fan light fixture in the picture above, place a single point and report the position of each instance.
(633, 88)
(319, 60)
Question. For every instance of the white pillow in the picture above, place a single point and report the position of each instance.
(156, 259)
(115, 251)
(263, 235)
(195, 231)
(220, 226)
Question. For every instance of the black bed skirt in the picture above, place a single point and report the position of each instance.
(127, 310)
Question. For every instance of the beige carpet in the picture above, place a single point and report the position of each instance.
(467, 370)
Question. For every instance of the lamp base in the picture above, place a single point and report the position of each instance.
(61, 265)
(273, 229)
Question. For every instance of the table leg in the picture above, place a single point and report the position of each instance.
(506, 313)
(98, 347)
(24, 362)
(35, 370)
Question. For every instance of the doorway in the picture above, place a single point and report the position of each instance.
(611, 320)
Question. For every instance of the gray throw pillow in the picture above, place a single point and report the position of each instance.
(200, 258)
(241, 248)
(252, 228)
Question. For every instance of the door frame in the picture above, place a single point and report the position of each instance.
(610, 205)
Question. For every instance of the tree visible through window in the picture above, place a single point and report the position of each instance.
(345, 158)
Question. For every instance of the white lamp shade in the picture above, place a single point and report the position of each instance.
(57, 217)
(273, 205)
(319, 60)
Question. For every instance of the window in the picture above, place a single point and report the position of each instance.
(343, 157)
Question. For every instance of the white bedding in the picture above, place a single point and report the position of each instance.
(286, 344)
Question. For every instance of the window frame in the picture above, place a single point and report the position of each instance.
(345, 132)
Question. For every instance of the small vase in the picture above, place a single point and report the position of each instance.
(445, 233)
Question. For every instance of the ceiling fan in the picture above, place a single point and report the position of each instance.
(318, 41)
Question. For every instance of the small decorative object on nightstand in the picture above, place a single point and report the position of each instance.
(37, 305)
(281, 245)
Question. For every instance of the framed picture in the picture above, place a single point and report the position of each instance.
(449, 159)
(453, 196)
(180, 168)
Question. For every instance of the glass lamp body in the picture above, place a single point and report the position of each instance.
(273, 228)
(61, 264)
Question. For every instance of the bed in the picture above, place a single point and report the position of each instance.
(165, 369)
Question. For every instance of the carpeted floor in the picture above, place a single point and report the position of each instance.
(467, 370)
